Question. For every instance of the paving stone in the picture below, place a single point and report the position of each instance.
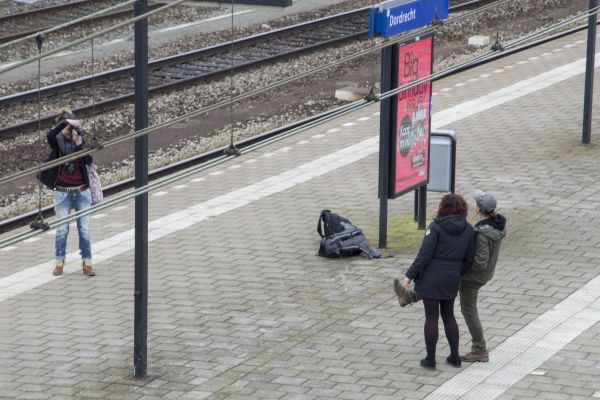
(241, 308)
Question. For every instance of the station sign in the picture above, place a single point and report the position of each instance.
(394, 17)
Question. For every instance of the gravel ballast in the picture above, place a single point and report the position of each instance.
(264, 112)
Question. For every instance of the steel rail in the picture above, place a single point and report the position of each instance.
(107, 13)
(84, 39)
(170, 63)
(469, 4)
(216, 106)
(173, 62)
(172, 178)
(276, 134)
(42, 10)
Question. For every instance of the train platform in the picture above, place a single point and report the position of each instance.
(240, 307)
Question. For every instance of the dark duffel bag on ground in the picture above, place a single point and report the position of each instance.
(339, 237)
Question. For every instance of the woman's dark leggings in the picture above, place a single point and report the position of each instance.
(432, 314)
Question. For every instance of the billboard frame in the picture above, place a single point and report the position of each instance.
(393, 132)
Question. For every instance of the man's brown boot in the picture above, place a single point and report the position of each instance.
(475, 356)
(87, 268)
(58, 268)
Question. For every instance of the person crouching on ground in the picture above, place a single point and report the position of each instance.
(490, 230)
(71, 189)
(446, 253)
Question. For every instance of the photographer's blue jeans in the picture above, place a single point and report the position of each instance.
(63, 203)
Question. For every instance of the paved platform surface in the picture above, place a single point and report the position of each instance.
(241, 308)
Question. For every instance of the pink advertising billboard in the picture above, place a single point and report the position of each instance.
(409, 168)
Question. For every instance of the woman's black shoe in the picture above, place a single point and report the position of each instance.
(425, 363)
(454, 361)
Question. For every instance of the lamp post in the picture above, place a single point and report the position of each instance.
(589, 73)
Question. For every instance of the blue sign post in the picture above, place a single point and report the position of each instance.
(393, 17)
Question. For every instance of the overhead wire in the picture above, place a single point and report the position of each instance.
(372, 83)
(497, 45)
(479, 58)
(163, 8)
(159, 183)
(39, 222)
(231, 150)
(95, 143)
(284, 82)
(89, 37)
(556, 26)
(67, 24)
(275, 85)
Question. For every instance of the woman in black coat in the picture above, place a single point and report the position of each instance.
(447, 252)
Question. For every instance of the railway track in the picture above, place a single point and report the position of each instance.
(115, 87)
(465, 3)
(26, 218)
(20, 24)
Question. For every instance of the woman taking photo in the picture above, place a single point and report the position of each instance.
(447, 252)
(70, 185)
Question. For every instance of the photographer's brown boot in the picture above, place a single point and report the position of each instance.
(58, 268)
(87, 268)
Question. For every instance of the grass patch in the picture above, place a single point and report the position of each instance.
(403, 237)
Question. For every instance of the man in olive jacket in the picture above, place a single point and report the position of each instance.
(490, 231)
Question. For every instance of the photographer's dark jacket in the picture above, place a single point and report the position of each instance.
(446, 253)
(73, 173)
(489, 234)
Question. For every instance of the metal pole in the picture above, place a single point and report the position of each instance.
(141, 202)
(589, 75)
(416, 213)
(384, 142)
(453, 167)
(422, 207)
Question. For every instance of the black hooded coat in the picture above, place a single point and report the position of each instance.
(49, 177)
(447, 252)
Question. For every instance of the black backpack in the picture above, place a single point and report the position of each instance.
(339, 237)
